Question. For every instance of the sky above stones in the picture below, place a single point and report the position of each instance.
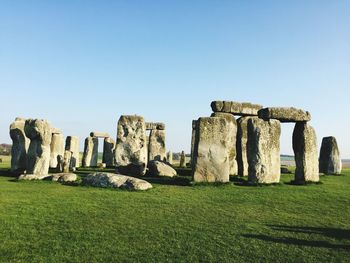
(81, 64)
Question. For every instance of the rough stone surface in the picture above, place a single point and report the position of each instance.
(72, 145)
(131, 149)
(20, 144)
(156, 145)
(305, 153)
(30, 177)
(263, 151)
(236, 108)
(157, 168)
(115, 181)
(90, 155)
(67, 177)
(155, 126)
(182, 160)
(99, 134)
(211, 152)
(38, 156)
(57, 149)
(67, 162)
(232, 126)
(241, 145)
(169, 157)
(330, 161)
(108, 151)
(193, 140)
(60, 177)
(284, 114)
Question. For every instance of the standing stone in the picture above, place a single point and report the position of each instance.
(72, 145)
(38, 157)
(183, 160)
(305, 153)
(330, 161)
(170, 157)
(193, 139)
(131, 149)
(211, 152)
(241, 146)
(156, 146)
(90, 154)
(20, 144)
(67, 162)
(108, 151)
(264, 151)
(57, 149)
(232, 126)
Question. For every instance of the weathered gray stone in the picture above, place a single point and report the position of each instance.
(31, 177)
(57, 149)
(156, 145)
(264, 151)
(108, 151)
(232, 126)
(38, 156)
(284, 114)
(99, 134)
(20, 144)
(242, 144)
(330, 161)
(157, 168)
(193, 139)
(55, 131)
(182, 160)
(211, 152)
(131, 150)
(67, 177)
(236, 108)
(67, 162)
(90, 155)
(305, 153)
(155, 126)
(72, 145)
(169, 157)
(115, 181)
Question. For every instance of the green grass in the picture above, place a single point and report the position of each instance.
(175, 222)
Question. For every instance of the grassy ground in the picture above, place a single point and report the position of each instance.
(175, 222)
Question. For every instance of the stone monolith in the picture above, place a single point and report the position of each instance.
(20, 144)
(330, 161)
(72, 145)
(57, 149)
(108, 151)
(156, 146)
(90, 155)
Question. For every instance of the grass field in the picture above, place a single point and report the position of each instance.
(175, 222)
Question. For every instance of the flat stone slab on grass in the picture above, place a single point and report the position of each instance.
(284, 114)
(105, 180)
(60, 177)
(157, 168)
(236, 108)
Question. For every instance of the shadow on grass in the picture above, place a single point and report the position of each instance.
(334, 233)
(243, 181)
(180, 181)
(7, 173)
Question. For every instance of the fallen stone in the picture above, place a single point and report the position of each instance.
(30, 177)
(330, 161)
(236, 108)
(105, 180)
(67, 178)
(264, 151)
(157, 168)
(305, 153)
(284, 114)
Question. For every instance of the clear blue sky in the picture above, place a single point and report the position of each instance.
(81, 64)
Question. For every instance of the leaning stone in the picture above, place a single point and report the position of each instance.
(157, 168)
(38, 156)
(20, 144)
(264, 151)
(211, 153)
(284, 114)
(330, 161)
(241, 145)
(57, 149)
(131, 149)
(90, 154)
(155, 126)
(105, 180)
(236, 108)
(108, 151)
(232, 126)
(72, 145)
(156, 145)
(305, 153)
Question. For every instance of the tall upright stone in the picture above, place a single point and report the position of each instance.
(108, 151)
(330, 161)
(211, 152)
(305, 153)
(169, 157)
(38, 156)
(72, 145)
(156, 146)
(57, 149)
(20, 144)
(182, 160)
(131, 149)
(232, 126)
(193, 138)
(264, 151)
(67, 162)
(241, 146)
(90, 155)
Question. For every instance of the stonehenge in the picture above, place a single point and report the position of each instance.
(108, 151)
(90, 155)
(20, 144)
(284, 114)
(156, 141)
(236, 108)
(182, 160)
(169, 157)
(57, 148)
(241, 145)
(330, 161)
(72, 145)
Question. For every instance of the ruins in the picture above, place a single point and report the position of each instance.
(20, 144)
(330, 161)
(156, 141)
